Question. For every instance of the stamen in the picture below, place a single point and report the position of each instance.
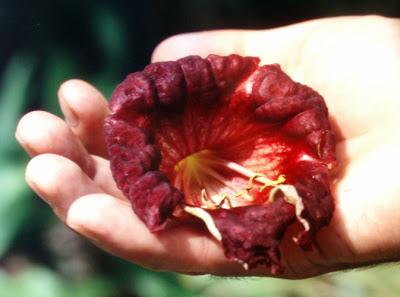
(245, 194)
(200, 169)
(238, 168)
(220, 178)
(281, 179)
(248, 173)
(251, 180)
(225, 198)
(207, 200)
(204, 196)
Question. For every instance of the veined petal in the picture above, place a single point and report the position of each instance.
(239, 146)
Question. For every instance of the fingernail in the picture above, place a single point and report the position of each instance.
(70, 116)
(38, 192)
(25, 146)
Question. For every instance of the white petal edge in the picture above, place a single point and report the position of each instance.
(206, 218)
(292, 197)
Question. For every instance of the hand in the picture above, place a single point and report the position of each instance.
(354, 62)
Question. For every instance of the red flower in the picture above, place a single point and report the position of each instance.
(242, 147)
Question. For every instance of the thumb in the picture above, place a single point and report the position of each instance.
(277, 45)
(221, 42)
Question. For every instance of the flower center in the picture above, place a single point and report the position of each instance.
(209, 181)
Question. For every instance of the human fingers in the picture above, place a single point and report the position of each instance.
(40, 132)
(58, 181)
(103, 177)
(110, 222)
(112, 225)
(84, 108)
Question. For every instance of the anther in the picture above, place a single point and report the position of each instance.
(225, 198)
(281, 179)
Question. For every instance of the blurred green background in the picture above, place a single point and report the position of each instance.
(46, 42)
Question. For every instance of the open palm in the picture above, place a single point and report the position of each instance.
(354, 62)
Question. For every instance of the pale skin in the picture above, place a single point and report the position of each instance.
(354, 62)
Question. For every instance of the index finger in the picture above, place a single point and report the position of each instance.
(85, 109)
